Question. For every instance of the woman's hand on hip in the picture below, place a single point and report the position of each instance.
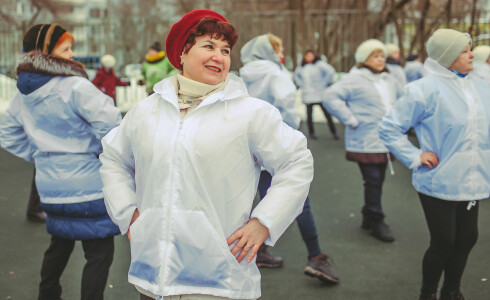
(250, 237)
(136, 214)
(429, 159)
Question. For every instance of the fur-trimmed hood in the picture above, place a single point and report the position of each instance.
(38, 62)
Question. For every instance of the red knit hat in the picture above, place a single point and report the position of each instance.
(180, 32)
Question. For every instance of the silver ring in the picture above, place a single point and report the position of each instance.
(247, 245)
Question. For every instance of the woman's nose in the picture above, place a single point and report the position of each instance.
(218, 56)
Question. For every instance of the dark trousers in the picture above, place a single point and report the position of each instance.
(305, 220)
(98, 253)
(309, 114)
(34, 204)
(373, 176)
(453, 233)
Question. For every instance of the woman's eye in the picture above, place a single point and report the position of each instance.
(208, 46)
(226, 51)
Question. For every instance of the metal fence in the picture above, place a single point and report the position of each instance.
(334, 33)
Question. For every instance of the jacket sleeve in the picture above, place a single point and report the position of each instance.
(284, 94)
(282, 151)
(13, 138)
(96, 108)
(119, 82)
(329, 72)
(118, 174)
(335, 102)
(407, 112)
(97, 81)
(298, 79)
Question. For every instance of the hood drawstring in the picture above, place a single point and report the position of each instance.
(226, 111)
(392, 171)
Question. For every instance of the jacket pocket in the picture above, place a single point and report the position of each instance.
(452, 177)
(200, 256)
(147, 245)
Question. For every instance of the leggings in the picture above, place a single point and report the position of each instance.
(453, 233)
(309, 115)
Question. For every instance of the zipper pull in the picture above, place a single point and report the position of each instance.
(471, 204)
(181, 124)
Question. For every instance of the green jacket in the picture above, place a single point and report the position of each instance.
(155, 71)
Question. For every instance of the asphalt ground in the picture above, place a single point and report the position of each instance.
(368, 268)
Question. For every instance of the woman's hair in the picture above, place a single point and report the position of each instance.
(317, 57)
(275, 41)
(216, 29)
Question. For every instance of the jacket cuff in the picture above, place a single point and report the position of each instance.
(416, 160)
(352, 122)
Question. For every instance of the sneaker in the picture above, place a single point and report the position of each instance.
(267, 260)
(382, 232)
(318, 267)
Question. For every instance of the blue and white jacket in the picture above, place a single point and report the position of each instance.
(313, 79)
(360, 100)
(57, 121)
(451, 117)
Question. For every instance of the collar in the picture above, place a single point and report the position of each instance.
(155, 58)
(194, 89)
(38, 62)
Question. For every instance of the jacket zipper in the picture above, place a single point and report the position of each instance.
(171, 194)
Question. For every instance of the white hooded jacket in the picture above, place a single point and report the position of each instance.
(451, 117)
(267, 79)
(194, 181)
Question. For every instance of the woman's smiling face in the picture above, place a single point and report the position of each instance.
(208, 60)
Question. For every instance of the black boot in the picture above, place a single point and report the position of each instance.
(378, 227)
(266, 260)
(382, 232)
(453, 295)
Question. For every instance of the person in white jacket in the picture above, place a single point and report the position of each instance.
(266, 78)
(393, 64)
(180, 173)
(414, 68)
(360, 100)
(450, 112)
(482, 62)
(313, 76)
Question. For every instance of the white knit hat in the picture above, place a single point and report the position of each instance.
(481, 53)
(445, 45)
(108, 61)
(366, 48)
(391, 48)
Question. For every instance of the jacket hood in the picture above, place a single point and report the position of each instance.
(234, 89)
(259, 48)
(38, 62)
(433, 67)
(257, 70)
(29, 82)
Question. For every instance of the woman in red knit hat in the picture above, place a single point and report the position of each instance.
(180, 173)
